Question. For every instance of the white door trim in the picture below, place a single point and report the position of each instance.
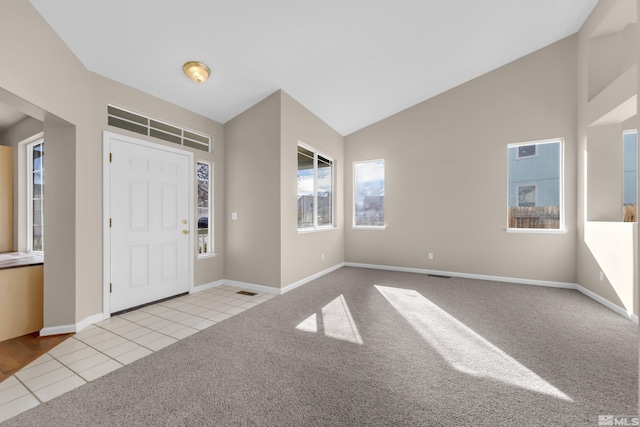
(106, 210)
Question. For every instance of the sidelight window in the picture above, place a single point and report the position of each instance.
(35, 196)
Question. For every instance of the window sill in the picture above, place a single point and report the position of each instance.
(315, 230)
(537, 231)
(208, 255)
(369, 227)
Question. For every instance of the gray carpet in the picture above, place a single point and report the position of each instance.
(366, 347)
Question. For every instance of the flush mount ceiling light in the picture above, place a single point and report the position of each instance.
(196, 71)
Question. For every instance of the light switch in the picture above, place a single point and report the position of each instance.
(234, 216)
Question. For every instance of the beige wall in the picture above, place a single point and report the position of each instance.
(63, 237)
(302, 252)
(263, 245)
(445, 167)
(446, 173)
(72, 104)
(608, 52)
(60, 91)
(252, 160)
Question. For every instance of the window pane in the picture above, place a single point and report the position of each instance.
(203, 194)
(306, 186)
(630, 176)
(37, 244)
(35, 159)
(37, 212)
(325, 191)
(369, 193)
(534, 185)
(204, 237)
(37, 185)
(38, 157)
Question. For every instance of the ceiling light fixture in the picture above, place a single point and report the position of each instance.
(196, 71)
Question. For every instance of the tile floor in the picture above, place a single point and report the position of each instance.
(118, 341)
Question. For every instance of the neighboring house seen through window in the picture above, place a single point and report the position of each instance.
(535, 185)
(315, 189)
(35, 196)
(527, 151)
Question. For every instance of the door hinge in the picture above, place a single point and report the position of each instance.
(110, 222)
(110, 157)
(110, 288)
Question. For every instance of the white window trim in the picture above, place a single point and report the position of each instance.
(315, 226)
(369, 227)
(322, 228)
(29, 157)
(353, 204)
(210, 252)
(562, 228)
(537, 230)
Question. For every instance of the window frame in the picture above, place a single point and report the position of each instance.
(30, 196)
(353, 216)
(209, 239)
(316, 153)
(561, 191)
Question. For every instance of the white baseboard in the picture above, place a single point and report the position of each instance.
(89, 321)
(73, 328)
(564, 285)
(252, 286)
(206, 286)
(280, 291)
(77, 327)
(56, 330)
(614, 307)
(310, 278)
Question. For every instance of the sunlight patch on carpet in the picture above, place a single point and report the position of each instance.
(460, 346)
(334, 320)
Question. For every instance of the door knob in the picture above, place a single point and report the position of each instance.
(185, 231)
(184, 221)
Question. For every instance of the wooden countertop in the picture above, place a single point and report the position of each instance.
(19, 259)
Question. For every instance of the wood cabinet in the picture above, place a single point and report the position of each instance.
(21, 301)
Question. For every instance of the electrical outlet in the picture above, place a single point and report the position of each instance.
(602, 276)
(322, 257)
(430, 255)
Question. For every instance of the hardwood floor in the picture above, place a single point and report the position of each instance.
(17, 353)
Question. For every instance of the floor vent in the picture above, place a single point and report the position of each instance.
(250, 294)
(439, 275)
(145, 125)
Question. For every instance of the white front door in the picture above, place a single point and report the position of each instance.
(150, 222)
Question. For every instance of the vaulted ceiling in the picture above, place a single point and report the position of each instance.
(351, 62)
